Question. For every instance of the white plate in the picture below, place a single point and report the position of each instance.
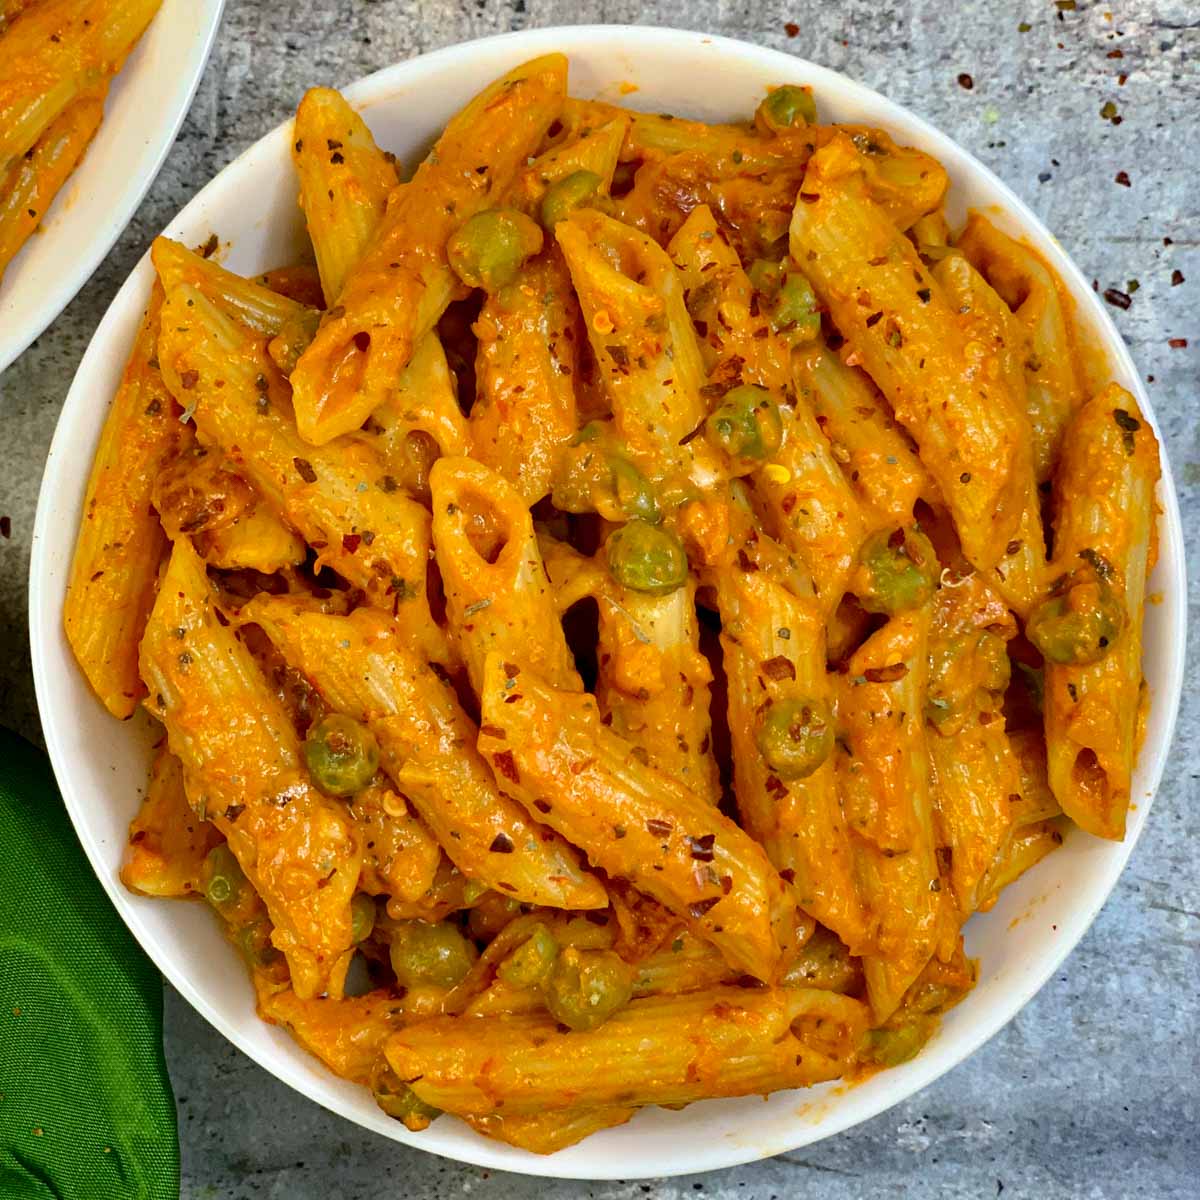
(146, 105)
(101, 765)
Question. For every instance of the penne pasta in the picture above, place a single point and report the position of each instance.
(56, 52)
(345, 181)
(943, 386)
(167, 841)
(497, 594)
(297, 847)
(975, 776)
(28, 188)
(524, 411)
(362, 668)
(383, 310)
(875, 454)
(546, 1133)
(340, 498)
(1104, 547)
(1053, 388)
(661, 1050)
(551, 750)
(781, 723)
(120, 544)
(638, 327)
(882, 763)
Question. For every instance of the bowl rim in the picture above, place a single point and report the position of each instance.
(111, 223)
(937, 1059)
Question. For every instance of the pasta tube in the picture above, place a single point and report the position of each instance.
(1104, 547)
(427, 742)
(1053, 389)
(975, 776)
(551, 750)
(398, 289)
(340, 498)
(56, 52)
(546, 1133)
(944, 387)
(876, 455)
(497, 594)
(167, 841)
(653, 682)
(120, 544)
(246, 301)
(780, 717)
(882, 762)
(524, 410)
(639, 328)
(297, 847)
(1020, 575)
(345, 181)
(31, 184)
(661, 1050)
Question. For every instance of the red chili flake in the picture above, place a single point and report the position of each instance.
(791, 29)
(511, 670)
(1121, 78)
(810, 197)
(337, 158)
(493, 731)
(1176, 277)
(698, 909)
(1168, 241)
(503, 762)
(702, 847)
(350, 542)
(1115, 54)
(965, 81)
(727, 884)
(501, 844)
(778, 668)
(1123, 179)
(775, 787)
(189, 379)
(1178, 343)
(1117, 298)
(305, 470)
(6, 527)
(787, 875)
(234, 811)
(210, 247)
(543, 806)
(886, 674)
(657, 828)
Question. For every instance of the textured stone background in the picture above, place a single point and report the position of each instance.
(1094, 1090)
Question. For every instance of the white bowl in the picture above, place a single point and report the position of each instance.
(146, 105)
(101, 765)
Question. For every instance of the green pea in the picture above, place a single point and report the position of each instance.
(796, 736)
(747, 423)
(398, 1100)
(490, 248)
(531, 962)
(891, 1047)
(787, 106)
(586, 987)
(647, 558)
(342, 755)
(766, 276)
(223, 878)
(362, 916)
(1079, 625)
(254, 942)
(634, 493)
(897, 571)
(795, 310)
(436, 955)
(577, 190)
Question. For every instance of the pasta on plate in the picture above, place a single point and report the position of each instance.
(620, 611)
(57, 58)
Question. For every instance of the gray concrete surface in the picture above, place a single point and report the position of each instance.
(1094, 1090)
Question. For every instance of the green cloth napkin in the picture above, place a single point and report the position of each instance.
(86, 1108)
